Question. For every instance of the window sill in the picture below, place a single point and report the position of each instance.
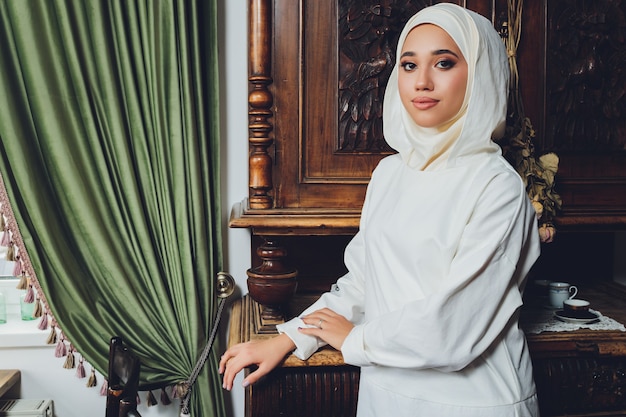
(19, 333)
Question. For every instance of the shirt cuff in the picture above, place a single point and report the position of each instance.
(353, 348)
(306, 345)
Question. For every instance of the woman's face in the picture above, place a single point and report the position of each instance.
(432, 76)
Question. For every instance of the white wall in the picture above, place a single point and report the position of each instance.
(43, 375)
(234, 50)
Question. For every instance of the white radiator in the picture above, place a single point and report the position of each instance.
(26, 408)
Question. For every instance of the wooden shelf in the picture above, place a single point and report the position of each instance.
(292, 222)
(8, 379)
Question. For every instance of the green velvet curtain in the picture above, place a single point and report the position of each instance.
(109, 150)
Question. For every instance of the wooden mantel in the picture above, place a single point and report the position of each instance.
(295, 221)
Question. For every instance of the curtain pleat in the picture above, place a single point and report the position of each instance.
(109, 151)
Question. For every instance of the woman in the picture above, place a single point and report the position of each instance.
(429, 308)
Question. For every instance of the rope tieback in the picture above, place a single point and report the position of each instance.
(225, 287)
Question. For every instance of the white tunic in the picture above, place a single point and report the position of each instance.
(435, 290)
(438, 267)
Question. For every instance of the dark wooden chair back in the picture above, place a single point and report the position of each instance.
(123, 381)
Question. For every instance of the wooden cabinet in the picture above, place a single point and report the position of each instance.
(317, 73)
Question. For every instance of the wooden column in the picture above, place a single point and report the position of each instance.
(260, 101)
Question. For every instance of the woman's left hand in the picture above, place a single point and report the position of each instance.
(331, 327)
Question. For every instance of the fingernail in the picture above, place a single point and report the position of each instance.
(245, 383)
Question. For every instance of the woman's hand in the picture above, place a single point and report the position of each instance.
(266, 354)
(331, 327)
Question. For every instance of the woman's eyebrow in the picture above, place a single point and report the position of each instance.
(444, 52)
(434, 53)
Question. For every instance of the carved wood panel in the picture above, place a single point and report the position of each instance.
(328, 85)
(586, 108)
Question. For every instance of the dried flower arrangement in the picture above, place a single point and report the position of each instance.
(517, 144)
(538, 173)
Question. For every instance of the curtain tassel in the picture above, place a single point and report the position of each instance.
(11, 253)
(61, 349)
(38, 311)
(165, 399)
(181, 389)
(151, 399)
(3, 223)
(52, 337)
(80, 369)
(43, 324)
(30, 295)
(69, 360)
(6, 239)
(17, 268)
(92, 381)
(104, 389)
(23, 283)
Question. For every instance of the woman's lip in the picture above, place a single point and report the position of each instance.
(424, 103)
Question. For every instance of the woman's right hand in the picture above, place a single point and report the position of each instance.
(266, 354)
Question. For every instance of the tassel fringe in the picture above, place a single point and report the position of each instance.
(30, 295)
(23, 283)
(151, 399)
(180, 390)
(43, 324)
(165, 399)
(104, 389)
(69, 361)
(52, 337)
(61, 349)
(17, 269)
(80, 369)
(11, 253)
(6, 239)
(38, 311)
(92, 381)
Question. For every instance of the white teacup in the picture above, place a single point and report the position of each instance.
(576, 305)
(558, 292)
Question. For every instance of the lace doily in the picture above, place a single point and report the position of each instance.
(538, 321)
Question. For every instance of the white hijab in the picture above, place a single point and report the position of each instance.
(483, 113)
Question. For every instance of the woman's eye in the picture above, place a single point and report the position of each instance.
(408, 66)
(445, 64)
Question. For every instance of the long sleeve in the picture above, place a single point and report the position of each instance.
(346, 297)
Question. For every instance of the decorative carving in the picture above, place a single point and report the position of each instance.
(307, 391)
(586, 75)
(368, 35)
(575, 385)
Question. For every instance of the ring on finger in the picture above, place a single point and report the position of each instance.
(319, 324)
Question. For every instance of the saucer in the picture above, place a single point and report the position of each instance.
(583, 317)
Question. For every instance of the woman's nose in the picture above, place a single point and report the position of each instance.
(423, 80)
